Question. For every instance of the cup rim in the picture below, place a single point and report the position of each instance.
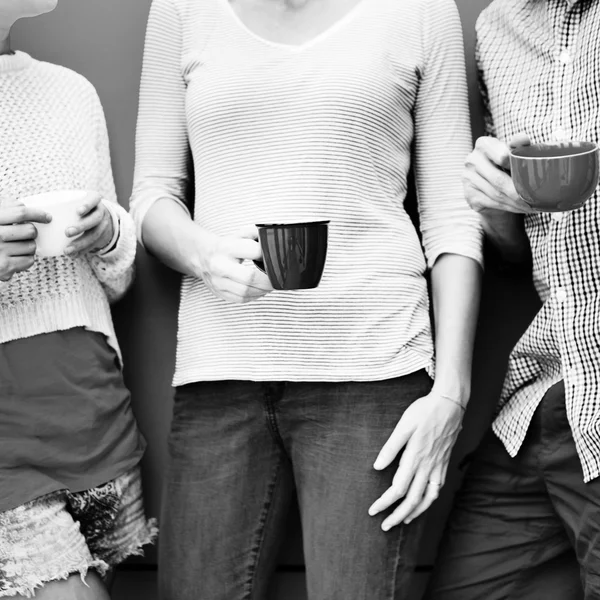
(298, 224)
(593, 147)
(68, 196)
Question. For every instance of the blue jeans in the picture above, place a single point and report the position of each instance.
(238, 451)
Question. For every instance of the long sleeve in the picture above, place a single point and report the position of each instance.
(443, 139)
(490, 129)
(114, 268)
(162, 150)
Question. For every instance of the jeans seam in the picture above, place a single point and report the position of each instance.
(262, 527)
(273, 426)
(399, 546)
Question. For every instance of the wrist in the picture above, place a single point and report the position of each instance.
(456, 392)
(199, 246)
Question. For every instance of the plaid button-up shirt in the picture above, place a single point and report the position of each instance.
(539, 63)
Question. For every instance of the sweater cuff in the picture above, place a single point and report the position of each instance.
(116, 223)
(122, 246)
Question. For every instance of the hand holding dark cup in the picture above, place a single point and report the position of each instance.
(224, 266)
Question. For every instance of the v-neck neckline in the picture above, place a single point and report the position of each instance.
(321, 37)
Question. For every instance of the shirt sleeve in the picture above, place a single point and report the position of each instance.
(490, 129)
(162, 147)
(113, 265)
(443, 139)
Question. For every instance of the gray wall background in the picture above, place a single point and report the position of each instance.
(103, 40)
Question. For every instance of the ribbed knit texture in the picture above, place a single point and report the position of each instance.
(321, 130)
(53, 136)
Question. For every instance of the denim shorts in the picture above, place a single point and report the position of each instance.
(60, 534)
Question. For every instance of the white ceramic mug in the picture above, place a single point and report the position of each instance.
(51, 238)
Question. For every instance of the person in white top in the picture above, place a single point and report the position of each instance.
(281, 111)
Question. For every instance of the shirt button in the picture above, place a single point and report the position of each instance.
(560, 294)
(565, 58)
(557, 216)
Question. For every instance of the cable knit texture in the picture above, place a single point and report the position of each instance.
(53, 136)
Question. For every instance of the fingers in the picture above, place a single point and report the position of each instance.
(521, 139)
(409, 464)
(90, 204)
(92, 219)
(237, 292)
(250, 232)
(87, 241)
(15, 264)
(493, 150)
(487, 185)
(436, 481)
(242, 248)
(411, 501)
(26, 248)
(17, 233)
(397, 440)
(12, 213)
(246, 275)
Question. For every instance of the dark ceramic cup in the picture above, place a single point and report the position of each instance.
(555, 177)
(293, 254)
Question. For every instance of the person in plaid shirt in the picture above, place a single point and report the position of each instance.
(526, 523)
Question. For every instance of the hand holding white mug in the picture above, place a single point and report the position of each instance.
(486, 179)
(17, 237)
(94, 228)
(225, 267)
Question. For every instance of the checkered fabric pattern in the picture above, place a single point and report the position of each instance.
(539, 63)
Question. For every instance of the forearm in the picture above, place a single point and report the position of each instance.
(505, 231)
(169, 233)
(456, 283)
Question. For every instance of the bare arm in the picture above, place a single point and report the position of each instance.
(159, 203)
(455, 287)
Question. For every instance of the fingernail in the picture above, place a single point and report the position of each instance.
(385, 526)
(377, 464)
(71, 231)
(407, 521)
(373, 511)
(82, 210)
(48, 217)
(69, 251)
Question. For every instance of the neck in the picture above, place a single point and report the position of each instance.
(4, 40)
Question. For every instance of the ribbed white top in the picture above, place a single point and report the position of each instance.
(321, 130)
(53, 137)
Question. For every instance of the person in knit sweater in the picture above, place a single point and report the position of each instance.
(70, 491)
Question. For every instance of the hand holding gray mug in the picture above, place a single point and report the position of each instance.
(487, 183)
(526, 178)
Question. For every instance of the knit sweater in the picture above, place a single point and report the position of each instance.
(53, 136)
